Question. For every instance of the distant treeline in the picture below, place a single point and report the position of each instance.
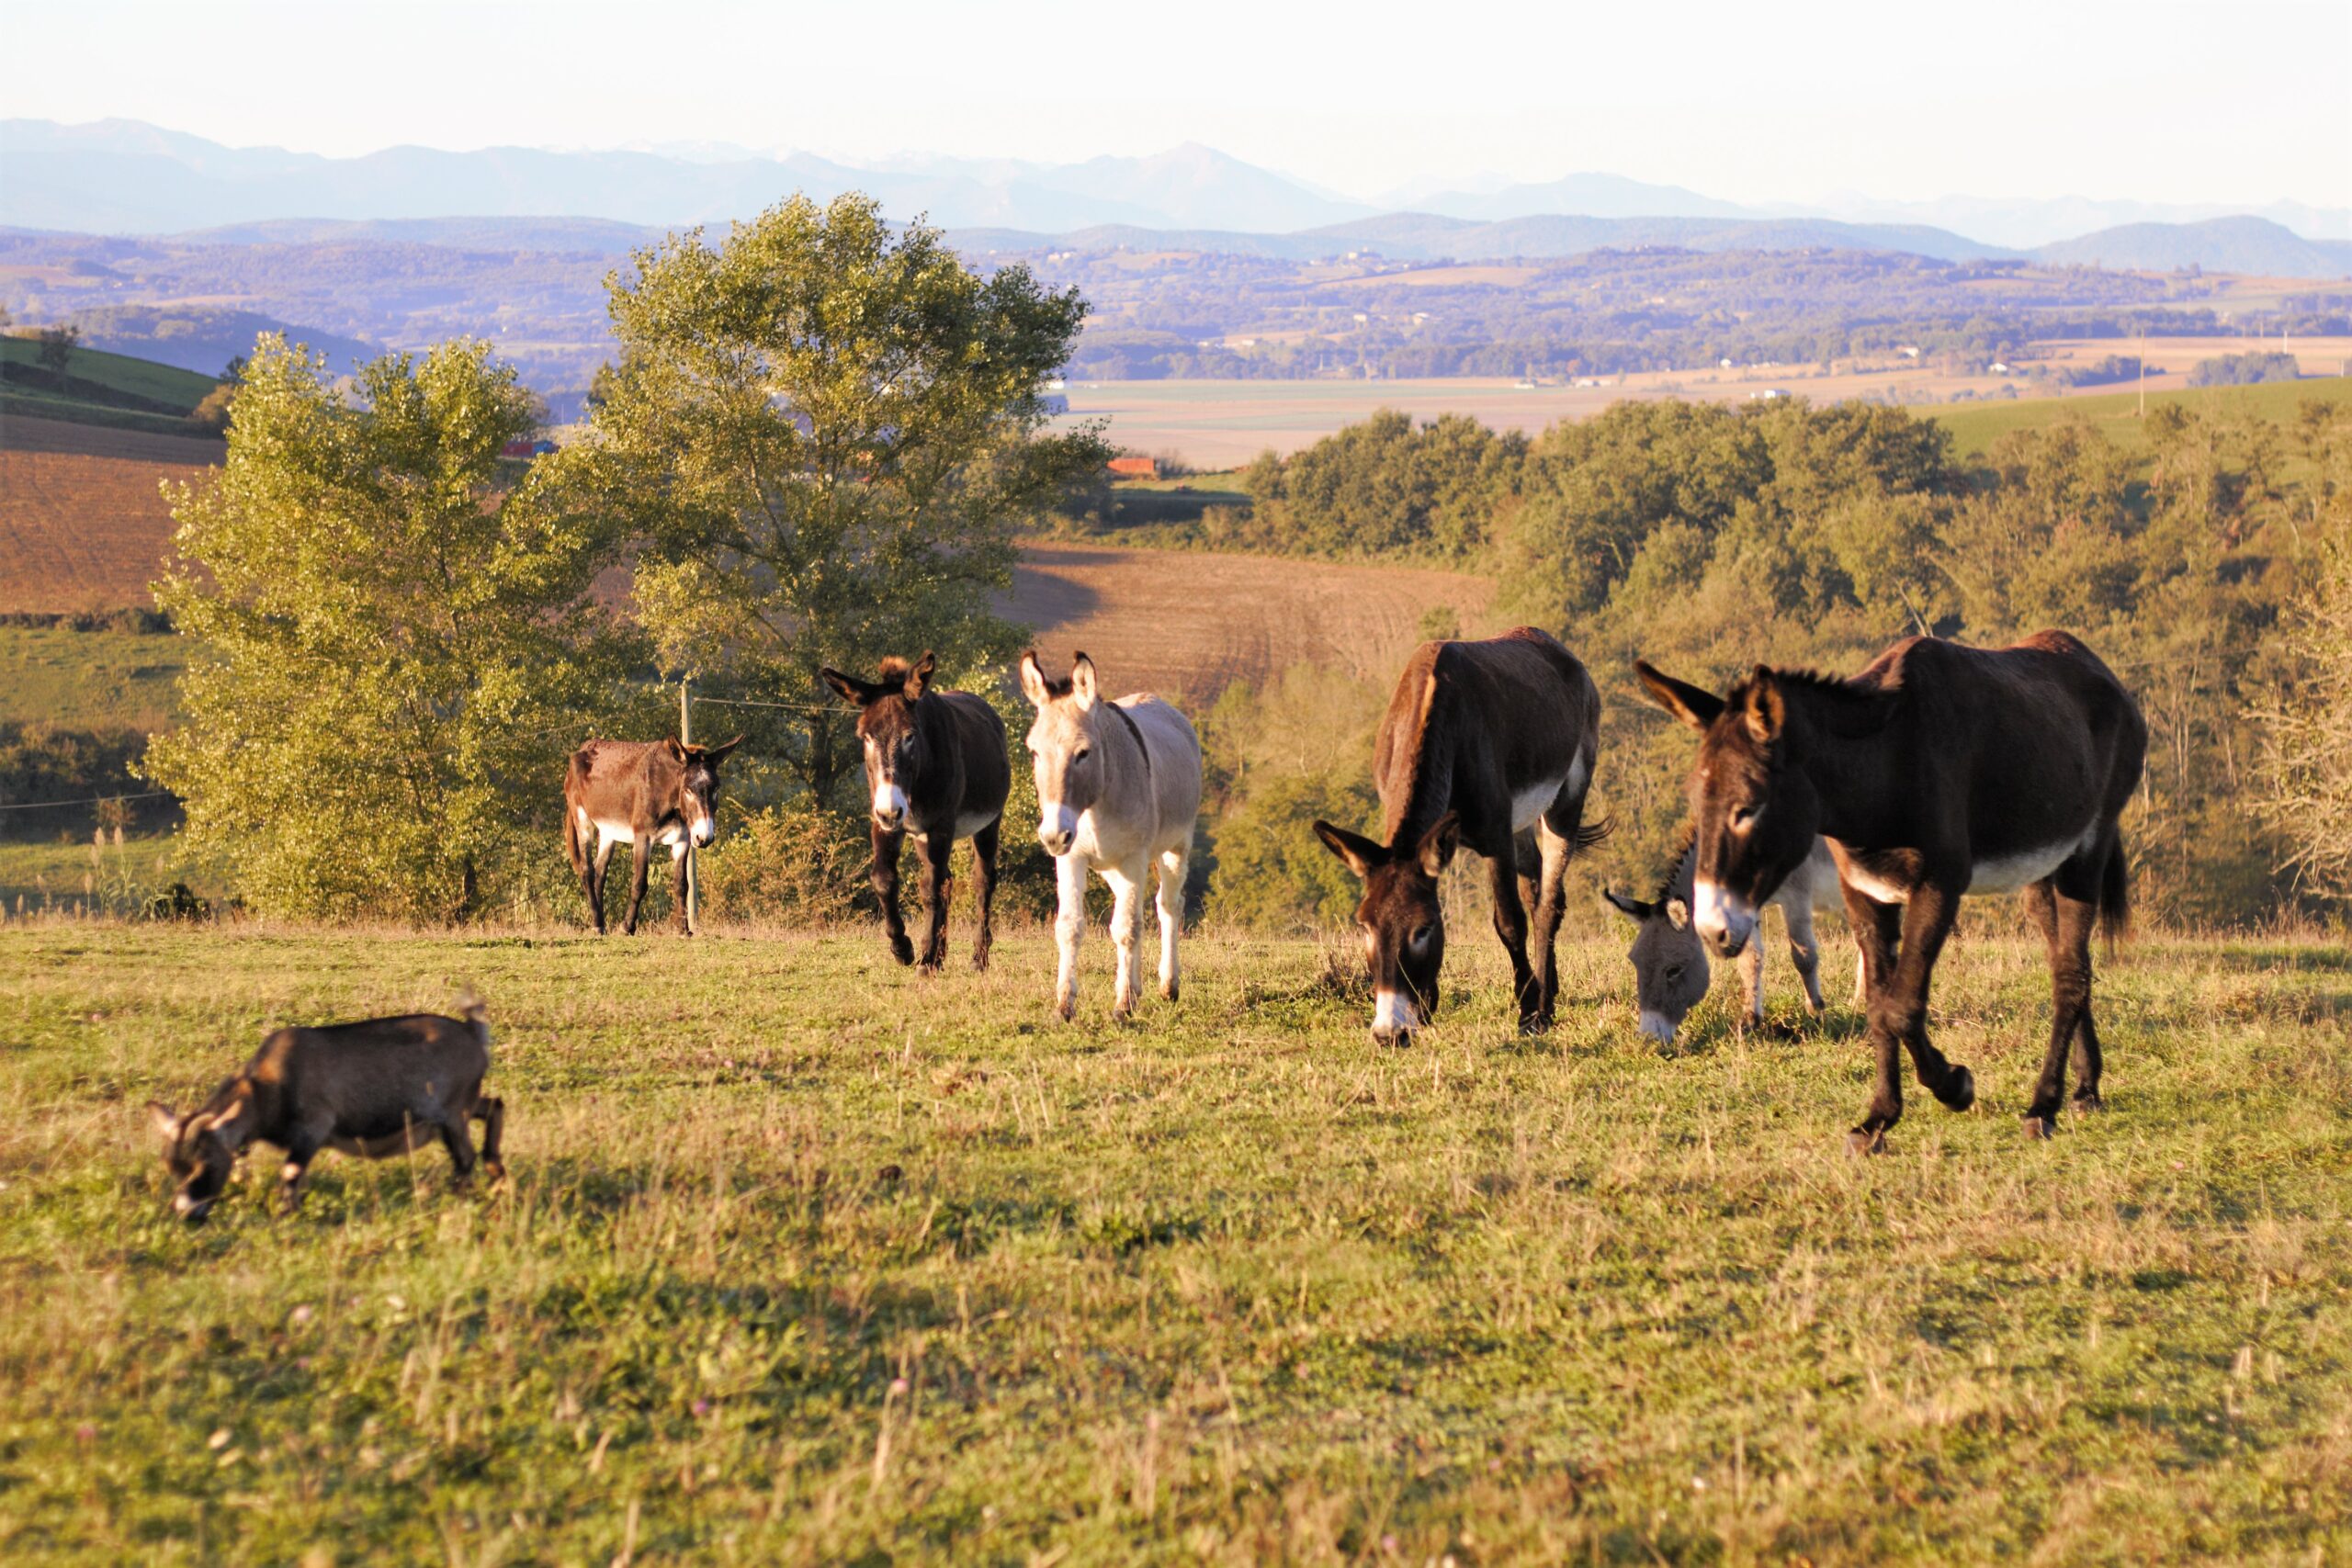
(1709, 538)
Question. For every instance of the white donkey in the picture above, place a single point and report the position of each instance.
(1670, 974)
(1118, 789)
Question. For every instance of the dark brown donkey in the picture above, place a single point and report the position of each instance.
(1488, 744)
(1940, 769)
(639, 793)
(935, 761)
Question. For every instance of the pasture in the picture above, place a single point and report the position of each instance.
(804, 1259)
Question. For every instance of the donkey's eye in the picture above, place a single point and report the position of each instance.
(1081, 754)
(1741, 815)
(1674, 971)
(1422, 935)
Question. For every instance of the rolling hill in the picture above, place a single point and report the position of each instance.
(2254, 245)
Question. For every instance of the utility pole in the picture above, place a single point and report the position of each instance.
(686, 737)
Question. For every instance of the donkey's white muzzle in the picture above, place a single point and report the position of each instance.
(1722, 921)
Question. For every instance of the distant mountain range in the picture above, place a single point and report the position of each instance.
(125, 178)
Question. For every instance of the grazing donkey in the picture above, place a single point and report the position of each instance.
(1489, 744)
(1118, 791)
(1940, 770)
(373, 1089)
(1670, 974)
(935, 762)
(640, 794)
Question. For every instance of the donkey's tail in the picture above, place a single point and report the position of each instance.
(2115, 894)
(471, 1009)
(1588, 834)
(575, 773)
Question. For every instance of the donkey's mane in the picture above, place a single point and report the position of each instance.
(1811, 680)
(893, 669)
(1689, 842)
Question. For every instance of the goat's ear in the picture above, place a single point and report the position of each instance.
(166, 1120)
(1082, 682)
(1686, 701)
(850, 688)
(1360, 854)
(718, 754)
(1626, 904)
(1438, 844)
(1767, 711)
(919, 677)
(1033, 680)
(1677, 914)
(677, 749)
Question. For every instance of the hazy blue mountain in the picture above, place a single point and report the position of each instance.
(2025, 222)
(1587, 195)
(2219, 245)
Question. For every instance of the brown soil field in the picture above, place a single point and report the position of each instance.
(84, 524)
(83, 521)
(1190, 623)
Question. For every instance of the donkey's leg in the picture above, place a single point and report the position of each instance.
(459, 1139)
(938, 882)
(678, 888)
(491, 1111)
(595, 884)
(1926, 921)
(1552, 849)
(1172, 865)
(1070, 924)
(1511, 925)
(885, 874)
(1805, 951)
(984, 844)
(1127, 931)
(1751, 977)
(2066, 919)
(641, 861)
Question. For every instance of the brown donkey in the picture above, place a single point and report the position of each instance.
(936, 764)
(640, 794)
(1489, 744)
(1940, 770)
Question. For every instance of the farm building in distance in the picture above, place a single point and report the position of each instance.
(1134, 467)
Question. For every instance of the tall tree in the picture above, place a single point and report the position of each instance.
(399, 643)
(823, 434)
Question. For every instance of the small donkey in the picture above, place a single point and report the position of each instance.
(639, 793)
(1670, 974)
(373, 1088)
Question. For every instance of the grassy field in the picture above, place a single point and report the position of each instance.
(805, 1259)
(97, 378)
(1974, 428)
(90, 680)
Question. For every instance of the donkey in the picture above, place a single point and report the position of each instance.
(1118, 792)
(1489, 744)
(639, 793)
(1670, 975)
(1938, 770)
(373, 1089)
(935, 762)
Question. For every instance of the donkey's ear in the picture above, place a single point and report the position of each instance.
(1082, 682)
(1438, 844)
(1626, 904)
(848, 686)
(1677, 914)
(1686, 701)
(716, 754)
(1362, 855)
(1033, 680)
(919, 677)
(677, 747)
(1767, 711)
(166, 1120)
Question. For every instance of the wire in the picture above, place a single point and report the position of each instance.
(789, 707)
(94, 800)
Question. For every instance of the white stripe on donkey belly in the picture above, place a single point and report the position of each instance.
(1528, 804)
(2005, 874)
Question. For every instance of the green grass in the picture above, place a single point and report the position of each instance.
(95, 680)
(805, 1258)
(117, 374)
(1976, 426)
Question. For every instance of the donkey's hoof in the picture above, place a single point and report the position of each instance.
(902, 950)
(1170, 990)
(2087, 1103)
(2039, 1127)
(980, 961)
(1960, 1089)
(1065, 1011)
(1862, 1141)
(928, 968)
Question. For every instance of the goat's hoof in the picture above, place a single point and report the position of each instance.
(2039, 1127)
(1861, 1141)
(2086, 1103)
(1960, 1089)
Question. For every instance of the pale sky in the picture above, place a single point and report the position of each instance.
(2244, 101)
